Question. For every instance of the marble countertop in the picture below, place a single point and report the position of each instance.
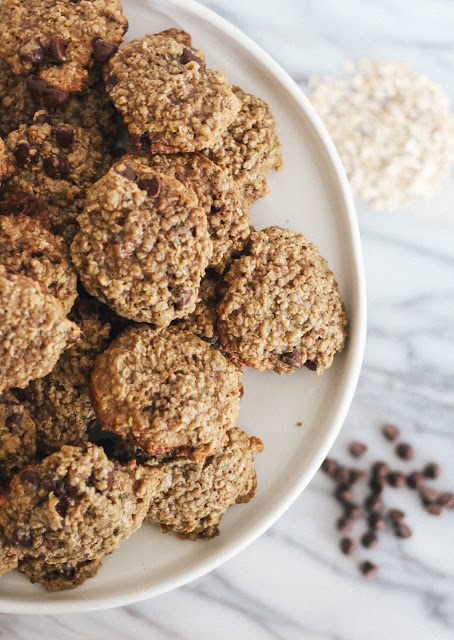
(293, 583)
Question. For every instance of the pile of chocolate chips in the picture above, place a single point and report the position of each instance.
(372, 510)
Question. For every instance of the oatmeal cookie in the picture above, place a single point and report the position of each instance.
(34, 330)
(9, 555)
(166, 390)
(193, 497)
(75, 505)
(143, 244)
(55, 42)
(56, 577)
(281, 308)
(60, 402)
(226, 209)
(249, 149)
(28, 249)
(56, 165)
(164, 91)
(17, 437)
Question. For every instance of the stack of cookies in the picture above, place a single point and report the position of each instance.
(133, 287)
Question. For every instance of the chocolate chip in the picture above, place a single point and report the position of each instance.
(376, 521)
(369, 540)
(356, 475)
(428, 496)
(396, 479)
(110, 478)
(395, 515)
(405, 451)
(56, 166)
(368, 569)
(31, 477)
(57, 48)
(373, 502)
(402, 530)
(220, 291)
(379, 469)
(329, 465)
(64, 136)
(357, 449)
(13, 419)
(151, 184)
(347, 546)
(22, 154)
(35, 85)
(377, 484)
(341, 475)
(432, 470)
(35, 55)
(446, 499)
(63, 505)
(102, 50)
(352, 510)
(343, 494)
(183, 297)
(125, 171)
(434, 509)
(390, 431)
(293, 358)
(50, 482)
(344, 524)
(415, 479)
(74, 491)
(54, 98)
(23, 539)
(41, 117)
(188, 56)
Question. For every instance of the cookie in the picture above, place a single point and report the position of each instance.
(34, 330)
(226, 209)
(75, 505)
(193, 497)
(55, 42)
(249, 149)
(281, 309)
(167, 391)
(56, 577)
(17, 437)
(143, 244)
(9, 555)
(17, 105)
(56, 165)
(165, 93)
(28, 249)
(6, 166)
(60, 402)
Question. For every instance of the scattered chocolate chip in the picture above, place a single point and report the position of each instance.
(49, 482)
(220, 291)
(35, 55)
(57, 48)
(56, 166)
(23, 539)
(347, 546)
(446, 499)
(415, 479)
(432, 470)
(368, 569)
(390, 431)
(352, 510)
(188, 56)
(102, 50)
(373, 502)
(35, 85)
(402, 530)
(396, 479)
(41, 117)
(357, 449)
(54, 98)
(405, 451)
(22, 154)
(64, 136)
(74, 491)
(344, 524)
(13, 419)
(31, 477)
(379, 469)
(125, 171)
(428, 496)
(356, 475)
(377, 484)
(151, 184)
(343, 494)
(182, 300)
(369, 540)
(329, 465)
(376, 521)
(293, 358)
(396, 515)
(342, 475)
(434, 509)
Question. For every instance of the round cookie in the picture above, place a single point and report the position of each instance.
(17, 437)
(56, 165)
(167, 391)
(164, 91)
(28, 249)
(226, 209)
(55, 42)
(75, 505)
(60, 402)
(34, 330)
(249, 149)
(281, 308)
(193, 497)
(143, 244)
(56, 577)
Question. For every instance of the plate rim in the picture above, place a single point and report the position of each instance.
(357, 339)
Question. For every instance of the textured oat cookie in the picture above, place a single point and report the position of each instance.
(56, 165)
(17, 437)
(282, 308)
(249, 149)
(75, 505)
(164, 91)
(226, 209)
(143, 244)
(60, 402)
(55, 42)
(28, 249)
(34, 330)
(56, 577)
(167, 391)
(193, 497)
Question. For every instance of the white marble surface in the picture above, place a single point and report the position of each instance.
(293, 582)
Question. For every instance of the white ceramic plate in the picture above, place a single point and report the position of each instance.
(309, 194)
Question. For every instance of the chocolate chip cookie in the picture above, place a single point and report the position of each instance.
(55, 42)
(281, 309)
(226, 209)
(28, 249)
(249, 149)
(56, 577)
(17, 437)
(34, 330)
(193, 497)
(143, 244)
(164, 92)
(166, 391)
